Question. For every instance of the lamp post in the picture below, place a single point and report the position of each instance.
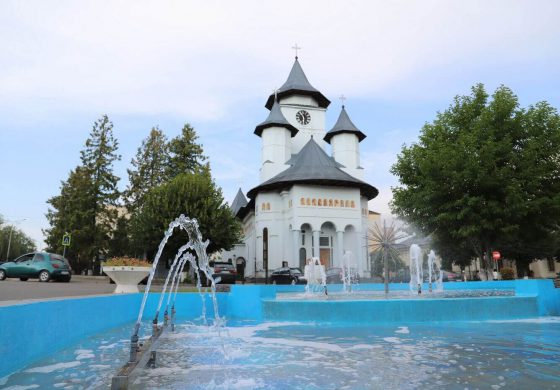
(10, 237)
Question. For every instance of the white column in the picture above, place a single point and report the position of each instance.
(339, 247)
(316, 243)
(295, 248)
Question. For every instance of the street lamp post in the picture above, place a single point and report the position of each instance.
(10, 238)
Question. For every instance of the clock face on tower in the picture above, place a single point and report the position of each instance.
(303, 117)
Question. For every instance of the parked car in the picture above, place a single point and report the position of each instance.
(287, 275)
(226, 271)
(334, 276)
(42, 265)
(451, 277)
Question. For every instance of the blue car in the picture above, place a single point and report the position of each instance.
(39, 265)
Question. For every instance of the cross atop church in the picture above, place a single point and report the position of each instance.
(342, 99)
(275, 92)
(296, 48)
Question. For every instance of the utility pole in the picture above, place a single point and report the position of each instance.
(10, 237)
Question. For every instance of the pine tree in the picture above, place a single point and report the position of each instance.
(87, 204)
(185, 154)
(71, 212)
(149, 168)
(98, 158)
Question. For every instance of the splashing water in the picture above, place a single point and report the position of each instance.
(316, 277)
(434, 273)
(190, 226)
(416, 274)
(349, 267)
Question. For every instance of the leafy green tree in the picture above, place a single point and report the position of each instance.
(149, 168)
(19, 243)
(484, 175)
(185, 154)
(194, 195)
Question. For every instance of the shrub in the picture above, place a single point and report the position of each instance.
(127, 262)
(507, 273)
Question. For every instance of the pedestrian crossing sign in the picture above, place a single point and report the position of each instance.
(66, 239)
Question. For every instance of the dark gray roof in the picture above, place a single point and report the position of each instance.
(239, 202)
(344, 125)
(420, 241)
(297, 83)
(313, 166)
(275, 119)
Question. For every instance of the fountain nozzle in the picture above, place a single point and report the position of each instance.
(133, 348)
(154, 326)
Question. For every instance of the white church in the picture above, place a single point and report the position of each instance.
(308, 204)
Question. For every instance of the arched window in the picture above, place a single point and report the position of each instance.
(265, 252)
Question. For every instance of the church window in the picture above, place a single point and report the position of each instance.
(308, 202)
(302, 201)
(336, 203)
(263, 206)
(314, 202)
(325, 202)
(320, 202)
(341, 203)
(268, 206)
(347, 203)
(303, 238)
(330, 203)
(352, 204)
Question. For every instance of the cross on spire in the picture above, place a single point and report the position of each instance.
(342, 99)
(275, 92)
(296, 48)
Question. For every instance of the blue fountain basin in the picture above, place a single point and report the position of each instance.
(31, 331)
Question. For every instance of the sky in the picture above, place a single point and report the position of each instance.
(213, 64)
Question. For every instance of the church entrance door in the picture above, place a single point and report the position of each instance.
(325, 256)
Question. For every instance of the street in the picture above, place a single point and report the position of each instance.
(15, 291)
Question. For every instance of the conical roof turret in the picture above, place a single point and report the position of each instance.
(344, 125)
(297, 84)
(275, 119)
(238, 203)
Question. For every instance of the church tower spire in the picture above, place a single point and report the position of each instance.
(297, 84)
(345, 138)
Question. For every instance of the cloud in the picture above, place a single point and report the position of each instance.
(198, 59)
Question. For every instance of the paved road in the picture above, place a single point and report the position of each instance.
(13, 290)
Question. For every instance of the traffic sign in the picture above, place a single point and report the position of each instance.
(496, 255)
(66, 239)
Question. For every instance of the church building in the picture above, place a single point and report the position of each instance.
(308, 203)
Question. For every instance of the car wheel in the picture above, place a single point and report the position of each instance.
(44, 276)
(2, 274)
(23, 279)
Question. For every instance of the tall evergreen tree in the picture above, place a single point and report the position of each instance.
(185, 154)
(87, 204)
(97, 158)
(71, 211)
(149, 168)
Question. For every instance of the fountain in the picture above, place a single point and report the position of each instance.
(416, 274)
(271, 342)
(145, 353)
(316, 277)
(349, 269)
(435, 275)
